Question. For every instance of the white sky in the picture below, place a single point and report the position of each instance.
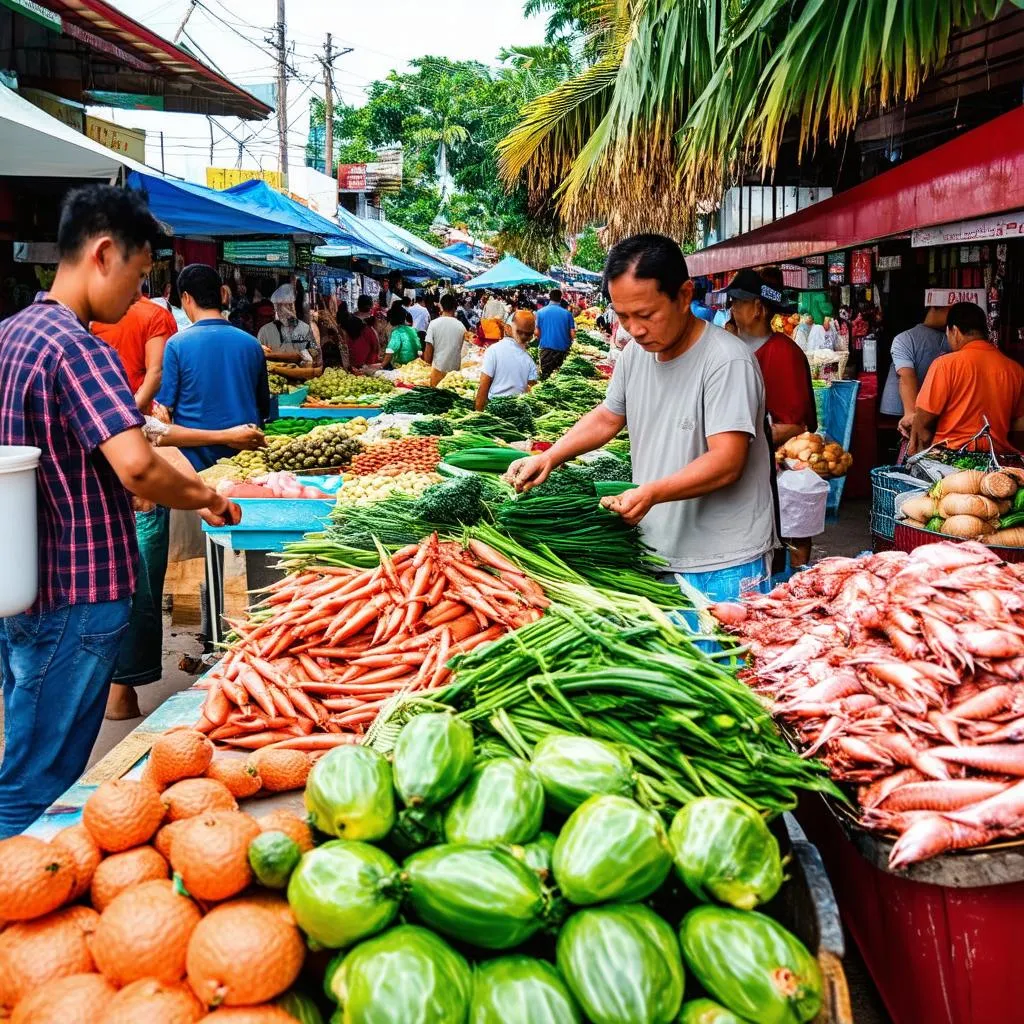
(383, 36)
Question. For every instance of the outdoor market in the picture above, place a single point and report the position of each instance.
(523, 565)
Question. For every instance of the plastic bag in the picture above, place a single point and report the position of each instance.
(803, 496)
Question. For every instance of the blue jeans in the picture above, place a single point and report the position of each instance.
(728, 584)
(56, 673)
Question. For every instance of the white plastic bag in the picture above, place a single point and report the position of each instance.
(803, 496)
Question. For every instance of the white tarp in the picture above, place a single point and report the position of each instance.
(34, 144)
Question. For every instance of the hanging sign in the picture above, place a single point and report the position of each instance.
(889, 262)
(130, 142)
(351, 177)
(837, 268)
(949, 296)
(1003, 225)
(860, 266)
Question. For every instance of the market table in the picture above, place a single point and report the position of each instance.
(347, 412)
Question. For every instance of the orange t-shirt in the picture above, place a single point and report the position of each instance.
(144, 320)
(966, 387)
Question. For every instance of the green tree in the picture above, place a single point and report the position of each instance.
(590, 253)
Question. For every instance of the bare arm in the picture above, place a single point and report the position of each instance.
(152, 478)
(782, 432)
(922, 431)
(909, 387)
(598, 427)
(243, 438)
(150, 385)
(720, 466)
(482, 392)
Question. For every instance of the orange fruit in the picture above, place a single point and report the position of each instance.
(148, 778)
(248, 1015)
(240, 776)
(121, 871)
(35, 952)
(241, 955)
(180, 754)
(144, 933)
(80, 846)
(291, 825)
(212, 854)
(281, 770)
(122, 813)
(164, 835)
(148, 1001)
(75, 999)
(35, 877)
(189, 797)
(265, 899)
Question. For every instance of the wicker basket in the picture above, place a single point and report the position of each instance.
(886, 483)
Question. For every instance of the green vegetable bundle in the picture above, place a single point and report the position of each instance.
(487, 425)
(571, 394)
(513, 409)
(294, 426)
(485, 460)
(432, 401)
(463, 439)
(435, 426)
(577, 366)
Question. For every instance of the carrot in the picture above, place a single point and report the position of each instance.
(255, 740)
(383, 660)
(446, 611)
(442, 656)
(381, 674)
(319, 741)
(475, 641)
(265, 669)
(493, 558)
(235, 691)
(461, 629)
(360, 621)
(204, 724)
(282, 702)
(312, 669)
(304, 704)
(258, 690)
(216, 707)
(436, 590)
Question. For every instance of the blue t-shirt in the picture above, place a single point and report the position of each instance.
(214, 377)
(555, 323)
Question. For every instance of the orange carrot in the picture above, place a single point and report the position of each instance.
(282, 702)
(318, 741)
(216, 707)
(446, 611)
(258, 690)
(255, 740)
(312, 669)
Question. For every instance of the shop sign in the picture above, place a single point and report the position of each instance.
(351, 177)
(889, 262)
(949, 296)
(130, 142)
(124, 100)
(64, 111)
(263, 253)
(34, 12)
(1003, 225)
(814, 261)
(227, 177)
(860, 266)
(837, 268)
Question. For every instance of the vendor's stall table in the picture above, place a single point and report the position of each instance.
(266, 526)
(347, 412)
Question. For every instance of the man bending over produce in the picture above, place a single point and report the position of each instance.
(64, 391)
(693, 400)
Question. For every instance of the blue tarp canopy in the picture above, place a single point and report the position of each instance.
(205, 212)
(569, 273)
(509, 273)
(463, 251)
(406, 239)
(274, 205)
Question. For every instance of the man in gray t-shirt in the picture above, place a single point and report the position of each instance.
(693, 399)
(913, 352)
(443, 348)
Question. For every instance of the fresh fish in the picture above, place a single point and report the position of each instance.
(932, 834)
(941, 796)
(1001, 758)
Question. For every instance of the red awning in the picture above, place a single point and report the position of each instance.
(976, 174)
(191, 86)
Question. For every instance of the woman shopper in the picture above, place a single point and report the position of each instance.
(404, 343)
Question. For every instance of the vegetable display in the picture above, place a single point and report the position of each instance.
(338, 387)
(902, 674)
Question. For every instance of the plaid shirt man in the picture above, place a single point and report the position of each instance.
(65, 391)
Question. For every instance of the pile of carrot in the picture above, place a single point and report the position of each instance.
(328, 647)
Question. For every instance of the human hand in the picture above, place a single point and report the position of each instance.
(906, 422)
(142, 505)
(221, 512)
(526, 473)
(244, 438)
(631, 505)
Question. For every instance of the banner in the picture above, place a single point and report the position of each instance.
(1002, 225)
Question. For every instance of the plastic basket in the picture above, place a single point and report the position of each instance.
(886, 483)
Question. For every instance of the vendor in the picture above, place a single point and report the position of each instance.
(913, 353)
(404, 343)
(287, 339)
(693, 400)
(975, 383)
(507, 368)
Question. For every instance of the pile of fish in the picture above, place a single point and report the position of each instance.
(905, 674)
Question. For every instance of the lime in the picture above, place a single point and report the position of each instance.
(272, 857)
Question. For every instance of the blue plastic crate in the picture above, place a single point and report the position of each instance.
(887, 482)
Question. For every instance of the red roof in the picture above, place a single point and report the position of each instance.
(189, 86)
(976, 174)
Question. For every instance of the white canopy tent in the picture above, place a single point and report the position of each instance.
(34, 144)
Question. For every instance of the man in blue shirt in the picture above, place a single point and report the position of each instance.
(214, 375)
(556, 330)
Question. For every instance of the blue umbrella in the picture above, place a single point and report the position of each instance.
(509, 273)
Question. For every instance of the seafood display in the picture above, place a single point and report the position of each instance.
(903, 673)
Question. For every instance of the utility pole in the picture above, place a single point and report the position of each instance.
(210, 122)
(282, 95)
(328, 107)
(184, 21)
(162, 153)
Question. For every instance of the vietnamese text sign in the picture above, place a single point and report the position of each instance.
(1003, 225)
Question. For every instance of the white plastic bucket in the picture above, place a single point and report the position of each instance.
(19, 544)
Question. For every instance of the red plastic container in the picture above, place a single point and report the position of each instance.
(938, 954)
(906, 538)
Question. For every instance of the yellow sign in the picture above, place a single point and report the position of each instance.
(228, 177)
(65, 112)
(130, 142)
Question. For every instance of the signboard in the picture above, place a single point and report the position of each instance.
(948, 296)
(228, 177)
(837, 268)
(814, 261)
(35, 12)
(124, 100)
(1002, 225)
(889, 262)
(351, 177)
(263, 253)
(860, 266)
(71, 114)
(129, 142)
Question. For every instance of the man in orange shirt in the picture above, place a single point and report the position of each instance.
(972, 384)
(139, 338)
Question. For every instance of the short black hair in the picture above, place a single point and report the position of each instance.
(555, 295)
(364, 304)
(202, 283)
(448, 302)
(396, 315)
(395, 275)
(649, 257)
(95, 210)
(969, 317)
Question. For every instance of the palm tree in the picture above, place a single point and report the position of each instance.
(682, 96)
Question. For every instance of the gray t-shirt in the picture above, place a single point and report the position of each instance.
(446, 334)
(915, 349)
(671, 408)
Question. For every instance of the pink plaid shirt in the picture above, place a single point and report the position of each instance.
(65, 391)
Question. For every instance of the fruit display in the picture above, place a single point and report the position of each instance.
(338, 387)
(812, 451)
(369, 488)
(278, 385)
(324, 447)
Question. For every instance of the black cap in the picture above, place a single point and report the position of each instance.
(749, 284)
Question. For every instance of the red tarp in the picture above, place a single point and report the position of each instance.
(976, 174)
